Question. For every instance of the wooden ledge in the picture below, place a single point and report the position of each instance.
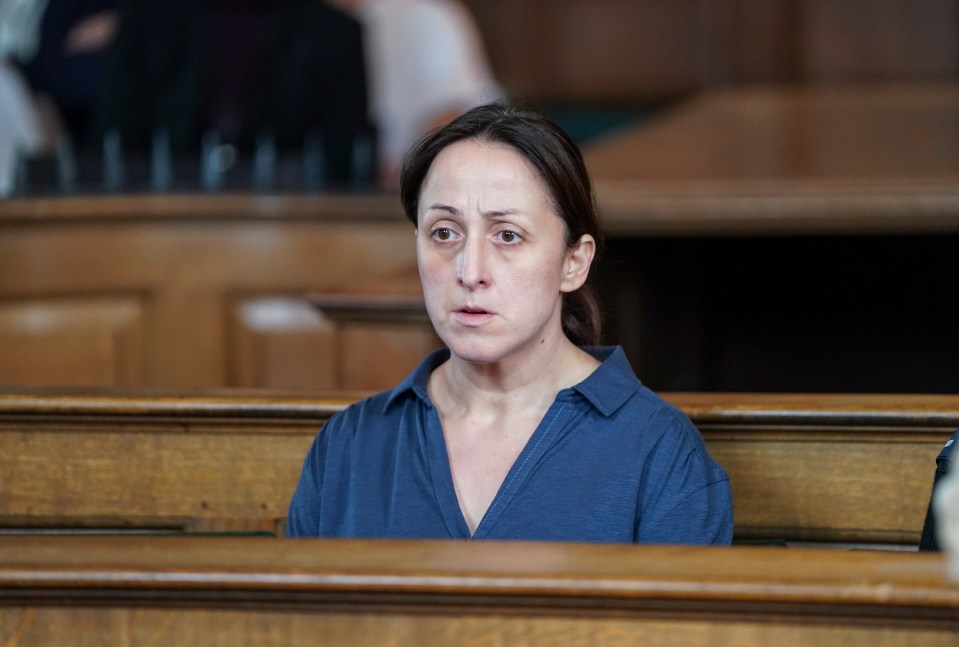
(849, 410)
(475, 577)
(197, 206)
(138, 403)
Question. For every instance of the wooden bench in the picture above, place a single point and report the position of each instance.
(803, 468)
(212, 590)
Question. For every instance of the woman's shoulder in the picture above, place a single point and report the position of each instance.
(614, 389)
(385, 408)
(364, 412)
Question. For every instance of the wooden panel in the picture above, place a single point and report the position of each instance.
(195, 257)
(380, 337)
(807, 475)
(137, 477)
(880, 39)
(156, 462)
(649, 50)
(74, 341)
(802, 468)
(797, 475)
(282, 343)
(600, 51)
(120, 591)
(377, 355)
(39, 626)
(330, 342)
(828, 134)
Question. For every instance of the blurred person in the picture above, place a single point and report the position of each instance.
(238, 69)
(22, 132)
(50, 63)
(427, 64)
(945, 507)
(67, 64)
(930, 538)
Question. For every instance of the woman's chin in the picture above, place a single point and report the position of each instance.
(477, 351)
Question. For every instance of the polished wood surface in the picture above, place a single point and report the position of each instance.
(803, 468)
(68, 590)
(156, 462)
(367, 208)
(781, 160)
(183, 291)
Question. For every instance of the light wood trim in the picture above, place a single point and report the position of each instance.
(251, 406)
(881, 411)
(199, 206)
(500, 579)
(787, 160)
(848, 410)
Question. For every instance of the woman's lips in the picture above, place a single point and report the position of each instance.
(472, 317)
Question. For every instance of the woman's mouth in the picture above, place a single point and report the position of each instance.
(472, 316)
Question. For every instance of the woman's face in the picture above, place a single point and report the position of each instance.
(492, 254)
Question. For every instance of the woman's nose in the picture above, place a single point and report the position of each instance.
(473, 265)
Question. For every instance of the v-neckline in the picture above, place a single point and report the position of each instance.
(442, 474)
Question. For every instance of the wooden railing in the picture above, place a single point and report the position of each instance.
(203, 590)
(808, 468)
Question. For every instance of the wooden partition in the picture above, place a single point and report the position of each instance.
(787, 239)
(843, 469)
(197, 591)
(181, 291)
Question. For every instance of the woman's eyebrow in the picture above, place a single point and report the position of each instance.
(499, 213)
(492, 214)
(436, 206)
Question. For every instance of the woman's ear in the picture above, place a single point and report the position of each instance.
(576, 265)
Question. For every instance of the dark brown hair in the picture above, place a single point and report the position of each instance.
(560, 165)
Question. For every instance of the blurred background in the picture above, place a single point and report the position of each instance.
(119, 88)
(203, 193)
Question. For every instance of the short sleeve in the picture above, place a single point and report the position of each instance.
(687, 493)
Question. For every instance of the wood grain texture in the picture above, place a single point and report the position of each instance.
(170, 278)
(774, 160)
(263, 591)
(827, 468)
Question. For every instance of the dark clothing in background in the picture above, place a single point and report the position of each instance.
(929, 541)
(72, 81)
(242, 68)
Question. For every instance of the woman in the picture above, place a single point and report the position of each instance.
(520, 428)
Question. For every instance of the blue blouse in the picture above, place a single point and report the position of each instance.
(609, 462)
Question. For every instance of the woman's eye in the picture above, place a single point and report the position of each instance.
(508, 236)
(443, 233)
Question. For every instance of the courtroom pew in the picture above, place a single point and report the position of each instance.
(109, 591)
(852, 469)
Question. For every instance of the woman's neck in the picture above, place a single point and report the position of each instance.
(509, 388)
